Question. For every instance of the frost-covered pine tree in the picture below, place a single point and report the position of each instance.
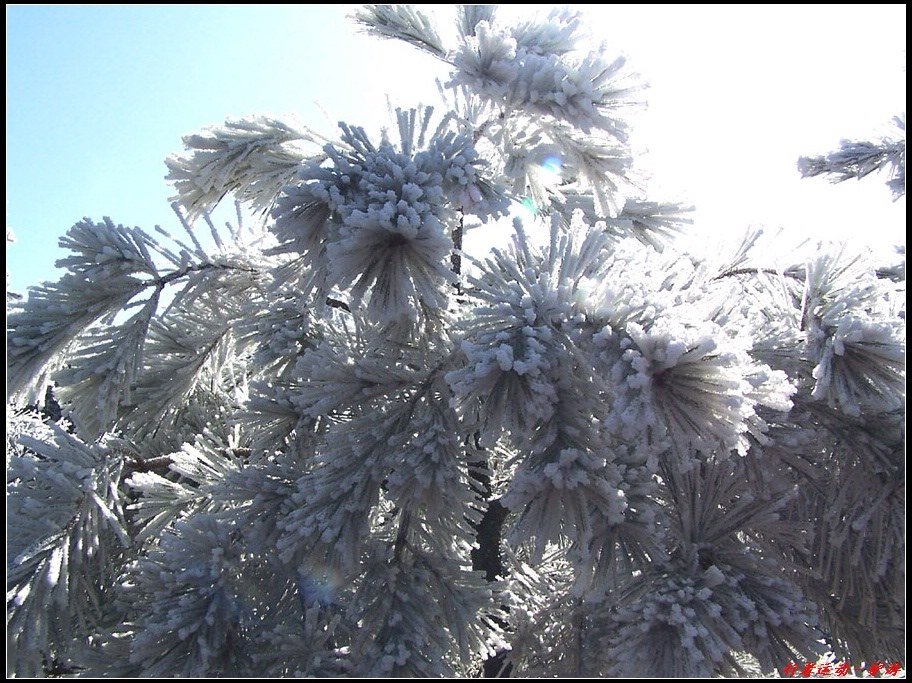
(857, 159)
(333, 444)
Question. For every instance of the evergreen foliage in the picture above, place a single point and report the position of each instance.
(333, 444)
(856, 159)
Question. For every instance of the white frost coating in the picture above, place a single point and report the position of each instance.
(679, 384)
(376, 220)
(583, 91)
(673, 610)
(323, 427)
(861, 364)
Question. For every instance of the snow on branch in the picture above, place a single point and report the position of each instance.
(66, 534)
(337, 381)
(337, 498)
(253, 157)
(431, 480)
(402, 22)
(597, 167)
(861, 363)
(110, 268)
(588, 92)
(272, 415)
(103, 280)
(195, 472)
(856, 159)
(376, 220)
(198, 618)
(655, 224)
(402, 634)
(660, 622)
(178, 361)
(104, 250)
(101, 371)
(468, 16)
(304, 435)
(558, 34)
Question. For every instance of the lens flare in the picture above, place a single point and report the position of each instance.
(529, 205)
(552, 164)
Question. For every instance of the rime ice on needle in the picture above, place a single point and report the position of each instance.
(377, 221)
(293, 453)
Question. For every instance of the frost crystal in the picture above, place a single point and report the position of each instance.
(341, 442)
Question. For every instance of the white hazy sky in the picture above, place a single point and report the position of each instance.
(98, 96)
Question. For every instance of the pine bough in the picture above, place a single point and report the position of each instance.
(283, 448)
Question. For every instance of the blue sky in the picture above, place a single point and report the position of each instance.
(98, 96)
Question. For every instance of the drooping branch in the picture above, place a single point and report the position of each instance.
(161, 282)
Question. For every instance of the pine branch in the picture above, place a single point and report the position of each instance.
(335, 303)
(181, 273)
(53, 316)
(857, 159)
(402, 22)
(253, 157)
(598, 166)
(67, 536)
(192, 341)
(795, 275)
(618, 459)
(468, 17)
